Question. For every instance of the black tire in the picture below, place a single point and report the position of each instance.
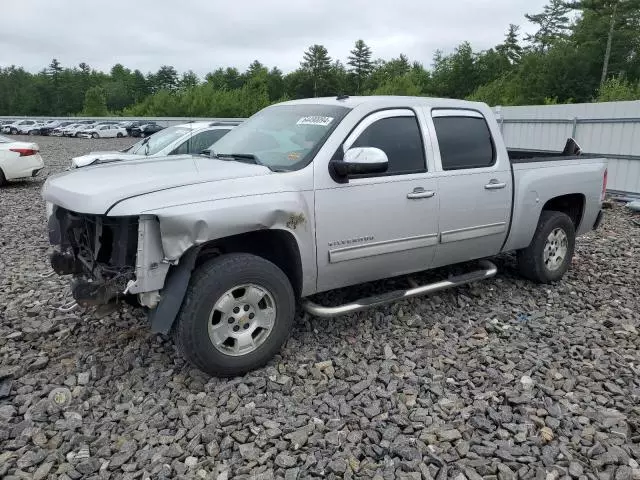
(531, 262)
(3, 179)
(95, 135)
(13, 131)
(208, 284)
(119, 135)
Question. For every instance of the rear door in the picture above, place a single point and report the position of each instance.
(385, 224)
(474, 185)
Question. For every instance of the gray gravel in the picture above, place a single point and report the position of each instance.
(500, 380)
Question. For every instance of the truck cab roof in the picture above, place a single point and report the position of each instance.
(383, 101)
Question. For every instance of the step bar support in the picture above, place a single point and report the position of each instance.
(488, 270)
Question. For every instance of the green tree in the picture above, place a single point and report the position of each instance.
(511, 48)
(166, 78)
(189, 79)
(360, 62)
(616, 13)
(553, 25)
(95, 102)
(616, 89)
(317, 64)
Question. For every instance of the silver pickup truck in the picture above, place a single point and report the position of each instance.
(308, 196)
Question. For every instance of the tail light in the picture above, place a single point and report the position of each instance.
(604, 185)
(24, 152)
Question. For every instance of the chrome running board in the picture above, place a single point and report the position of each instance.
(488, 270)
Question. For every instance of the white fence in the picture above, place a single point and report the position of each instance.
(609, 129)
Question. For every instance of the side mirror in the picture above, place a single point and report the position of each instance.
(361, 161)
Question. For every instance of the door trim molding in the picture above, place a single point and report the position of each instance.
(380, 248)
(473, 232)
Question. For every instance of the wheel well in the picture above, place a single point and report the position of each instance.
(572, 205)
(277, 246)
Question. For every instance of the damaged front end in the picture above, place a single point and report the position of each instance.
(99, 251)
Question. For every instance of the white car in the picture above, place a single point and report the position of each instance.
(188, 138)
(73, 129)
(103, 131)
(18, 160)
(14, 128)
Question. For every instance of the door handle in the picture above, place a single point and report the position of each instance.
(495, 185)
(420, 193)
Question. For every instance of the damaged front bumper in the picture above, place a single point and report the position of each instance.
(108, 257)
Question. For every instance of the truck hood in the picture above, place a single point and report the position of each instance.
(88, 159)
(96, 189)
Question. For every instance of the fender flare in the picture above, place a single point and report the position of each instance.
(175, 287)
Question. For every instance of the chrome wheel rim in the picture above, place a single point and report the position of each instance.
(555, 249)
(242, 319)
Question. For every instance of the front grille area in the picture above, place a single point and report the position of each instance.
(104, 248)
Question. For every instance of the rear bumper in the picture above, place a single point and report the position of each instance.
(24, 167)
(598, 221)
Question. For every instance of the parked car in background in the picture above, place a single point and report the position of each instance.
(73, 129)
(146, 130)
(49, 129)
(18, 160)
(13, 128)
(30, 129)
(131, 124)
(188, 138)
(103, 131)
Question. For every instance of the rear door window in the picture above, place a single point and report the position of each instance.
(465, 142)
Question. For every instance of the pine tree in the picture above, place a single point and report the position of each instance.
(360, 62)
(316, 63)
(553, 24)
(511, 47)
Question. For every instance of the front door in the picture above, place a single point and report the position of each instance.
(382, 225)
(474, 186)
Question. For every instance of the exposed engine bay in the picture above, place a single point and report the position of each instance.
(99, 251)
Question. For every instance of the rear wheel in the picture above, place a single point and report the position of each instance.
(119, 135)
(3, 179)
(549, 255)
(13, 131)
(237, 313)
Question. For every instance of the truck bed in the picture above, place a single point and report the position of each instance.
(532, 156)
(571, 151)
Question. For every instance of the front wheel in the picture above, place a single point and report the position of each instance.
(119, 135)
(236, 315)
(13, 131)
(549, 255)
(95, 135)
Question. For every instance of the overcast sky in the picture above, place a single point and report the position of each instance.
(204, 34)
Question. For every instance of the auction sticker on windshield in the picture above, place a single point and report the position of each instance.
(317, 120)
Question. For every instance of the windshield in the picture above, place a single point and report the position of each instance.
(282, 137)
(156, 142)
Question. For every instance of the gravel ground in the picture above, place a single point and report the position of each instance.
(500, 380)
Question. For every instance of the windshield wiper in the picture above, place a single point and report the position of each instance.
(240, 156)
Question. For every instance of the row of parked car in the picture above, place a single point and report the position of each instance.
(81, 128)
(22, 159)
